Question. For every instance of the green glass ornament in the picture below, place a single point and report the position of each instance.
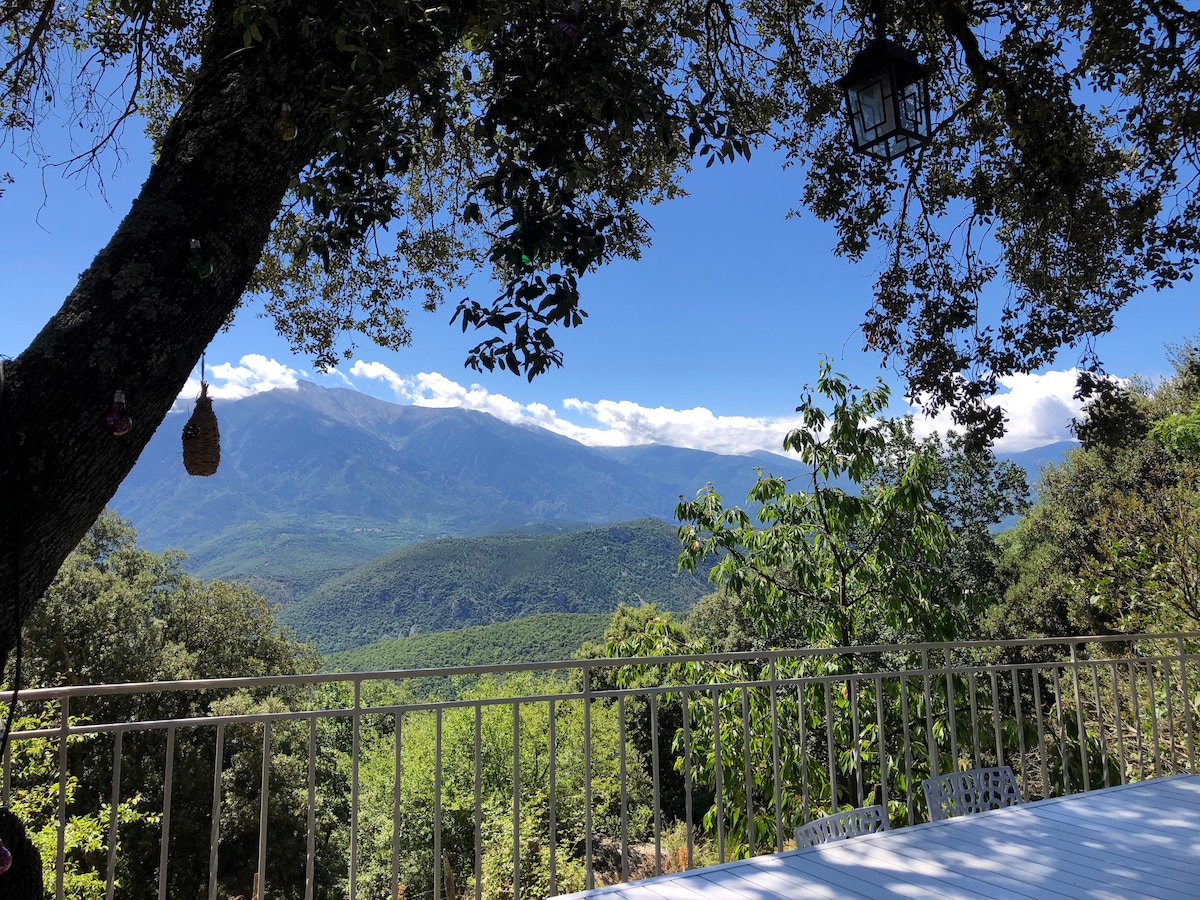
(197, 264)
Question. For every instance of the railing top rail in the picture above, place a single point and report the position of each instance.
(585, 665)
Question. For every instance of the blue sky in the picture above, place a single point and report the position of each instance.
(706, 341)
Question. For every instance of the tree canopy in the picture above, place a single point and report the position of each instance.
(886, 541)
(1112, 544)
(381, 151)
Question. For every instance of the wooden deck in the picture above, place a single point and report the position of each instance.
(1136, 840)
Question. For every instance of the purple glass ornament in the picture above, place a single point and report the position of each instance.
(5, 858)
(118, 420)
(568, 22)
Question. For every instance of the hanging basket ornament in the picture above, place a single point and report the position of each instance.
(201, 437)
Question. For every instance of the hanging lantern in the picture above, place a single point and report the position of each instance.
(887, 99)
(286, 128)
(118, 420)
(202, 437)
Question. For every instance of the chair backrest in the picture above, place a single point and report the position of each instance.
(972, 791)
(839, 826)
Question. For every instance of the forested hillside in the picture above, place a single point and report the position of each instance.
(538, 638)
(1114, 543)
(457, 582)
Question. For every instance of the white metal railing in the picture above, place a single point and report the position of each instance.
(536, 779)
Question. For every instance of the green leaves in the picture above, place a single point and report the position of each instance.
(1112, 543)
(832, 564)
(1058, 184)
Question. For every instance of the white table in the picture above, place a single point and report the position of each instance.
(1136, 840)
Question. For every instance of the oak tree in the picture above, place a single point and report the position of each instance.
(379, 150)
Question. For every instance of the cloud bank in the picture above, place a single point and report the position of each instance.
(253, 374)
(1039, 409)
(602, 423)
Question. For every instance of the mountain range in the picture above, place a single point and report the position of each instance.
(342, 507)
(320, 479)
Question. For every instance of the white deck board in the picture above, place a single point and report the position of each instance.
(1129, 841)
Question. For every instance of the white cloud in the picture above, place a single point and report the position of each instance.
(379, 372)
(607, 423)
(1038, 410)
(254, 374)
(625, 422)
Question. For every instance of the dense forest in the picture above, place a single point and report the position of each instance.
(455, 582)
(537, 638)
(907, 553)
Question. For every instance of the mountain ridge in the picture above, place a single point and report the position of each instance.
(320, 488)
(351, 477)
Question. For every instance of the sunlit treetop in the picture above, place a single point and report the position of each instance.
(525, 138)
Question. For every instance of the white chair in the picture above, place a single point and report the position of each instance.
(842, 825)
(972, 791)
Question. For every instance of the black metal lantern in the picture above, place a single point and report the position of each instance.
(887, 98)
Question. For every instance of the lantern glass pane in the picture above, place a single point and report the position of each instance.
(912, 112)
(872, 110)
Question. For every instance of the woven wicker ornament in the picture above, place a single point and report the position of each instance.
(201, 437)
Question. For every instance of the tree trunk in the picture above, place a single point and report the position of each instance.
(138, 319)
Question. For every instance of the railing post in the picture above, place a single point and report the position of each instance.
(397, 781)
(355, 742)
(214, 836)
(516, 803)
(882, 799)
(623, 737)
(1120, 730)
(775, 771)
(719, 773)
(747, 770)
(1041, 731)
(589, 873)
(802, 715)
(437, 805)
(1019, 722)
(114, 818)
(950, 724)
(168, 783)
(972, 687)
(906, 728)
(687, 771)
(310, 840)
(1152, 708)
(930, 741)
(1187, 705)
(479, 800)
(831, 755)
(552, 811)
(656, 783)
(1079, 717)
(61, 851)
(261, 877)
